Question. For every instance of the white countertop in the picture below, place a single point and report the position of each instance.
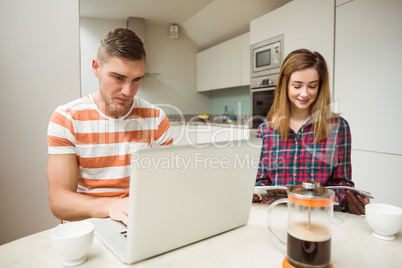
(200, 123)
(251, 245)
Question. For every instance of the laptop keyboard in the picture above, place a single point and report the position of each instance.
(123, 233)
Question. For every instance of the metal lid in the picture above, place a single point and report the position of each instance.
(312, 191)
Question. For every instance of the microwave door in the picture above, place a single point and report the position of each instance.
(263, 58)
(266, 56)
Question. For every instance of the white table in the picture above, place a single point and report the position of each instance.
(251, 245)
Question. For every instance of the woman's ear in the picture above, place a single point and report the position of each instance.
(95, 67)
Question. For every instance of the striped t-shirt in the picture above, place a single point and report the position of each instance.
(103, 144)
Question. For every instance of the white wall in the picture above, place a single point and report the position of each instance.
(368, 67)
(173, 59)
(39, 52)
(91, 32)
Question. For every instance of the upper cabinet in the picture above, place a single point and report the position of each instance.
(304, 24)
(207, 69)
(244, 41)
(315, 31)
(267, 26)
(225, 65)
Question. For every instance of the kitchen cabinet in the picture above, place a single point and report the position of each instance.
(244, 41)
(267, 26)
(363, 74)
(208, 133)
(184, 134)
(225, 65)
(304, 24)
(207, 69)
(367, 87)
(315, 31)
(229, 63)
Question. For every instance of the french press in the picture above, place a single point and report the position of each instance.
(310, 211)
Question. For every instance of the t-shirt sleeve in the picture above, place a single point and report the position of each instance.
(60, 133)
(164, 135)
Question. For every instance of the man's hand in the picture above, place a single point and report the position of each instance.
(356, 203)
(118, 209)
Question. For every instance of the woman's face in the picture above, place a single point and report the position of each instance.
(303, 89)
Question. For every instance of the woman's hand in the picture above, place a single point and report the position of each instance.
(356, 203)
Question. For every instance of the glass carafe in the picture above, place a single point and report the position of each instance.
(310, 211)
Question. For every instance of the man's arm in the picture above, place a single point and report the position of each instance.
(67, 204)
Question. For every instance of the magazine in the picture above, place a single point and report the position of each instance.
(268, 194)
(355, 190)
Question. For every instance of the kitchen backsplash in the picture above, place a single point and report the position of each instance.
(240, 120)
(237, 100)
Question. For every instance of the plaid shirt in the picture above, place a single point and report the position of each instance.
(299, 158)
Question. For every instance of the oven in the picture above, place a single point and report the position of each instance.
(262, 92)
(266, 59)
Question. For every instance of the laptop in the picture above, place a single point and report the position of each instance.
(183, 194)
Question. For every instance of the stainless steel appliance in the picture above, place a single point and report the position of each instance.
(266, 56)
(266, 59)
(262, 97)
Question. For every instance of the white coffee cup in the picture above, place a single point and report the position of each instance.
(385, 220)
(72, 241)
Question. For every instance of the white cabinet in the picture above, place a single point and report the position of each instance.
(244, 41)
(208, 133)
(184, 134)
(314, 32)
(224, 65)
(229, 63)
(268, 25)
(304, 24)
(207, 68)
(368, 65)
(368, 59)
(368, 170)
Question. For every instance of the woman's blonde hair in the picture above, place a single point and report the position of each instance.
(320, 110)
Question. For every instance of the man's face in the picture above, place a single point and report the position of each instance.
(119, 81)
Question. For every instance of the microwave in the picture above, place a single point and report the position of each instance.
(266, 56)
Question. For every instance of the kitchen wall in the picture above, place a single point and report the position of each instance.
(39, 70)
(237, 99)
(173, 59)
(91, 32)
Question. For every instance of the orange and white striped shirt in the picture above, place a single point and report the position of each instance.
(103, 144)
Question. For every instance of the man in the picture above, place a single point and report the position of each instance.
(90, 140)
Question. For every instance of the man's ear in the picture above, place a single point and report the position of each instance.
(95, 67)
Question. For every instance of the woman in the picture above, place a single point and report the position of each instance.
(302, 138)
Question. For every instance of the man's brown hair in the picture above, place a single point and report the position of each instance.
(122, 43)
